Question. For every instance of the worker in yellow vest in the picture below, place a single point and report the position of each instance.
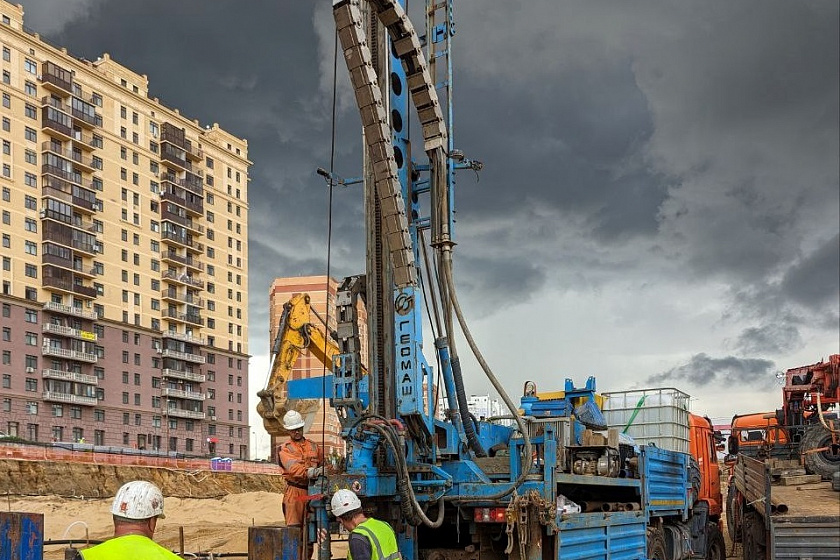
(370, 539)
(136, 509)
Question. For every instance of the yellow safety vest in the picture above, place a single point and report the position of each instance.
(383, 541)
(128, 547)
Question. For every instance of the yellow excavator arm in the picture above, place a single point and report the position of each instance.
(294, 334)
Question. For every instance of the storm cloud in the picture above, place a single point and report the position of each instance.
(660, 182)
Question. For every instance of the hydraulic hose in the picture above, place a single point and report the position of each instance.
(526, 458)
(406, 490)
(466, 421)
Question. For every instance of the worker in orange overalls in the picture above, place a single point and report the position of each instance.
(300, 459)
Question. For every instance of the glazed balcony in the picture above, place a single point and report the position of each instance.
(65, 191)
(191, 181)
(57, 79)
(75, 156)
(69, 286)
(69, 376)
(71, 176)
(190, 206)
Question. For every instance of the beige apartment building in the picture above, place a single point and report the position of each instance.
(124, 259)
(325, 429)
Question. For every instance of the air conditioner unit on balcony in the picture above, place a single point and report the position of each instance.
(43, 214)
(30, 370)
(213, 418)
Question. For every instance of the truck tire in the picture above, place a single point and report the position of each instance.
(656, 545)
(753, 537)
(734, 512)
(824, 463)
(715, 545)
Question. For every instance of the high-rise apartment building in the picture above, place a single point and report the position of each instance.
(124, 250)
(325, 428)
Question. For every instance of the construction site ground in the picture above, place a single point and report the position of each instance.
(212, 509)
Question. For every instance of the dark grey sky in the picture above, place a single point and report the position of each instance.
(659, 202)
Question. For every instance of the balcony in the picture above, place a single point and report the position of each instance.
(195, 208)
(66, 285)
(184, 337)
(68, 354)
(69, 193)
(70, 331)
(193, 318)
(183, 278)
(185, 375)
(173, 256)
(69, 376)
(184, 240)
(180, 220)
(73, 177)
(68, 398)
(86, 115)
(175, 157)
(197, 358)
(181, 413)
(182, 297)
(73, 155)
(178, 393)
(70, 310)
(56, 122)
(192, 182)
(57, 79)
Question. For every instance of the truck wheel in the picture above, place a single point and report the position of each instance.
(753, 537)
(734, 512)
(656, 545)
(824, 463)
(715, 545)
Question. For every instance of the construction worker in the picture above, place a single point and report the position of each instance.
(301, 461)
(136, 509)
(370, 539)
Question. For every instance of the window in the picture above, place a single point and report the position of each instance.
(30, 88)
(30, 202)
(96, 162)
(31, 338)
(7, 103)
(31, 247)
(7, 53)
(30, 134)
(30, 179)
(57, 410)
(30, 111)
(31, 316)
(31, 157)
(30, 66)
(31, 270)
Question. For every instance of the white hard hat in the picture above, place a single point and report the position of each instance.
(138, 499)
(293, 420)
(344, 501)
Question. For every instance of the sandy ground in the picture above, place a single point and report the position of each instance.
(215, 525)
(209, 525)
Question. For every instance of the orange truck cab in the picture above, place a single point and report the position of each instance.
(703, 447)
(757, 434)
